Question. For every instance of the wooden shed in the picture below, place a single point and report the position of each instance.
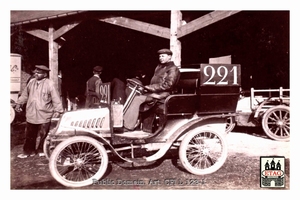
(73, 41)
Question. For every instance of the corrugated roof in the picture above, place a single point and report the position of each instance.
(29, 16)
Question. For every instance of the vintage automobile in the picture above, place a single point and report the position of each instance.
(192, 122)
(266, 108)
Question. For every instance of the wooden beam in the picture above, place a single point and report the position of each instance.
(175, 44)
(139, 26)
(39, 34)
(62, 30)
(44, 34)
(204, 21)
(53, 57)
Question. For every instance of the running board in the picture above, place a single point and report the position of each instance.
(134, 134)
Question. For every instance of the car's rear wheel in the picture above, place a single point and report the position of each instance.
(203, 151)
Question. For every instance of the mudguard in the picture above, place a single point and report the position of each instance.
(176, 130)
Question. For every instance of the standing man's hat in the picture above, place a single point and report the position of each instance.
(42, 67)
(98, 69)
(165, 51)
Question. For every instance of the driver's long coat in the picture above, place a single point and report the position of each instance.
(164, 80)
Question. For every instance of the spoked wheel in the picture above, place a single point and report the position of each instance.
(230, 124)
(47, 149)
(276, 123)
(203, 151)
(77, 161)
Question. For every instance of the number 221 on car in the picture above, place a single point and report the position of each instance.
(220, 75)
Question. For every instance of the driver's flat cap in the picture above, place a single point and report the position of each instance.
(42, 67)
(165, 51)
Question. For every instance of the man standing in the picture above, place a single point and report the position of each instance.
(43, 103)
(90, 93)
(163, 82)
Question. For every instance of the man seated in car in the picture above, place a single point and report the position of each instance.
(162, 84)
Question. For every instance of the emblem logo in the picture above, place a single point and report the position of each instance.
(272, 171)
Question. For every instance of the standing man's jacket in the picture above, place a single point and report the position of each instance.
(42, 101)
(91, 94)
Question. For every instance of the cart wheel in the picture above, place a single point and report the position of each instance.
(203, 151)
(230, 124)
(78, 161)
(12, 114)
(276, 123)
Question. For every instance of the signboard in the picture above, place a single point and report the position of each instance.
(220, 75)
(104, 90)
(222, 59)
(15, 75)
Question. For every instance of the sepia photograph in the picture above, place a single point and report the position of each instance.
(169, 99)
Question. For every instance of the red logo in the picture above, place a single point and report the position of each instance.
(272, 173)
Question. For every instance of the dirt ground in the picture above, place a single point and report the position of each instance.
(241, 170)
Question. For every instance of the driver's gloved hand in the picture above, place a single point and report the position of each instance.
(148, 88)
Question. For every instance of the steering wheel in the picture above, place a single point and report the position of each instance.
(139, 85)
(134, 82)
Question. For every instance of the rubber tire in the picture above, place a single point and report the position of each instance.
(77, 139)
(266, 118)
(184, 145)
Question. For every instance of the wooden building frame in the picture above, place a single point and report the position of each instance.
(178, 28)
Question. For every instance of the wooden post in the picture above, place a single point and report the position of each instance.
(175, 44)
(53, 46)
(53, 57)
